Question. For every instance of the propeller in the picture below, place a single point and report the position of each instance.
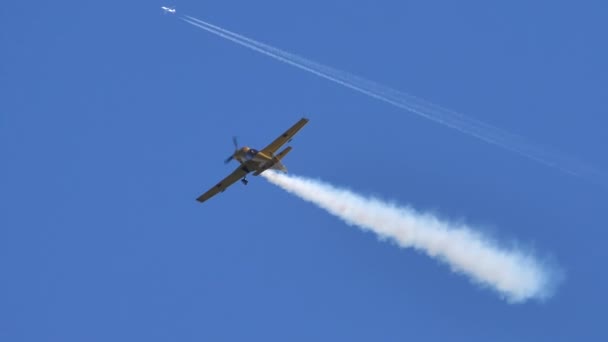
(236, 148)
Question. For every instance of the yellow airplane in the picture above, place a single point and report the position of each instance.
(255, 161)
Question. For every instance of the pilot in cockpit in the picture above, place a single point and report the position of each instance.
(251, 153)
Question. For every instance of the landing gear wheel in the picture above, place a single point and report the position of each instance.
(245, 181)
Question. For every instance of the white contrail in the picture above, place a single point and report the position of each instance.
(410, 102)
(446, 117)
(447, 121)
(515, 274)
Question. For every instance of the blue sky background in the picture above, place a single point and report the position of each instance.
(114, 118)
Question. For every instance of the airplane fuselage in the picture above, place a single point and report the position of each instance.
(168, 9)
(257, 161)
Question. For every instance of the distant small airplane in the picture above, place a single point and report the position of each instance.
(255, 161)
(168, 9)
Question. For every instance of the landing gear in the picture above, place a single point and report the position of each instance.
(244, 181)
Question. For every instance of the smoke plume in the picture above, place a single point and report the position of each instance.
(516, 275)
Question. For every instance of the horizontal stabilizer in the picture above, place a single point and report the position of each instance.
(283, 153)
(276, 164)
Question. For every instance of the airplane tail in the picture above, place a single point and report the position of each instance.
(278, 165)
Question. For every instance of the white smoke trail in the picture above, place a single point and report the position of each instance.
(446, 117)
(516, 275)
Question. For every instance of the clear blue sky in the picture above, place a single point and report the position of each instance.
(114, 118)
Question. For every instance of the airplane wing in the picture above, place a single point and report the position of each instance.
(225, 183)
(285, 137)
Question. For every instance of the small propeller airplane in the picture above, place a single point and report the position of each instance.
(255, 161)
(168, 9)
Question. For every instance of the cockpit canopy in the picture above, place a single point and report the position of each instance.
(250, 153)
